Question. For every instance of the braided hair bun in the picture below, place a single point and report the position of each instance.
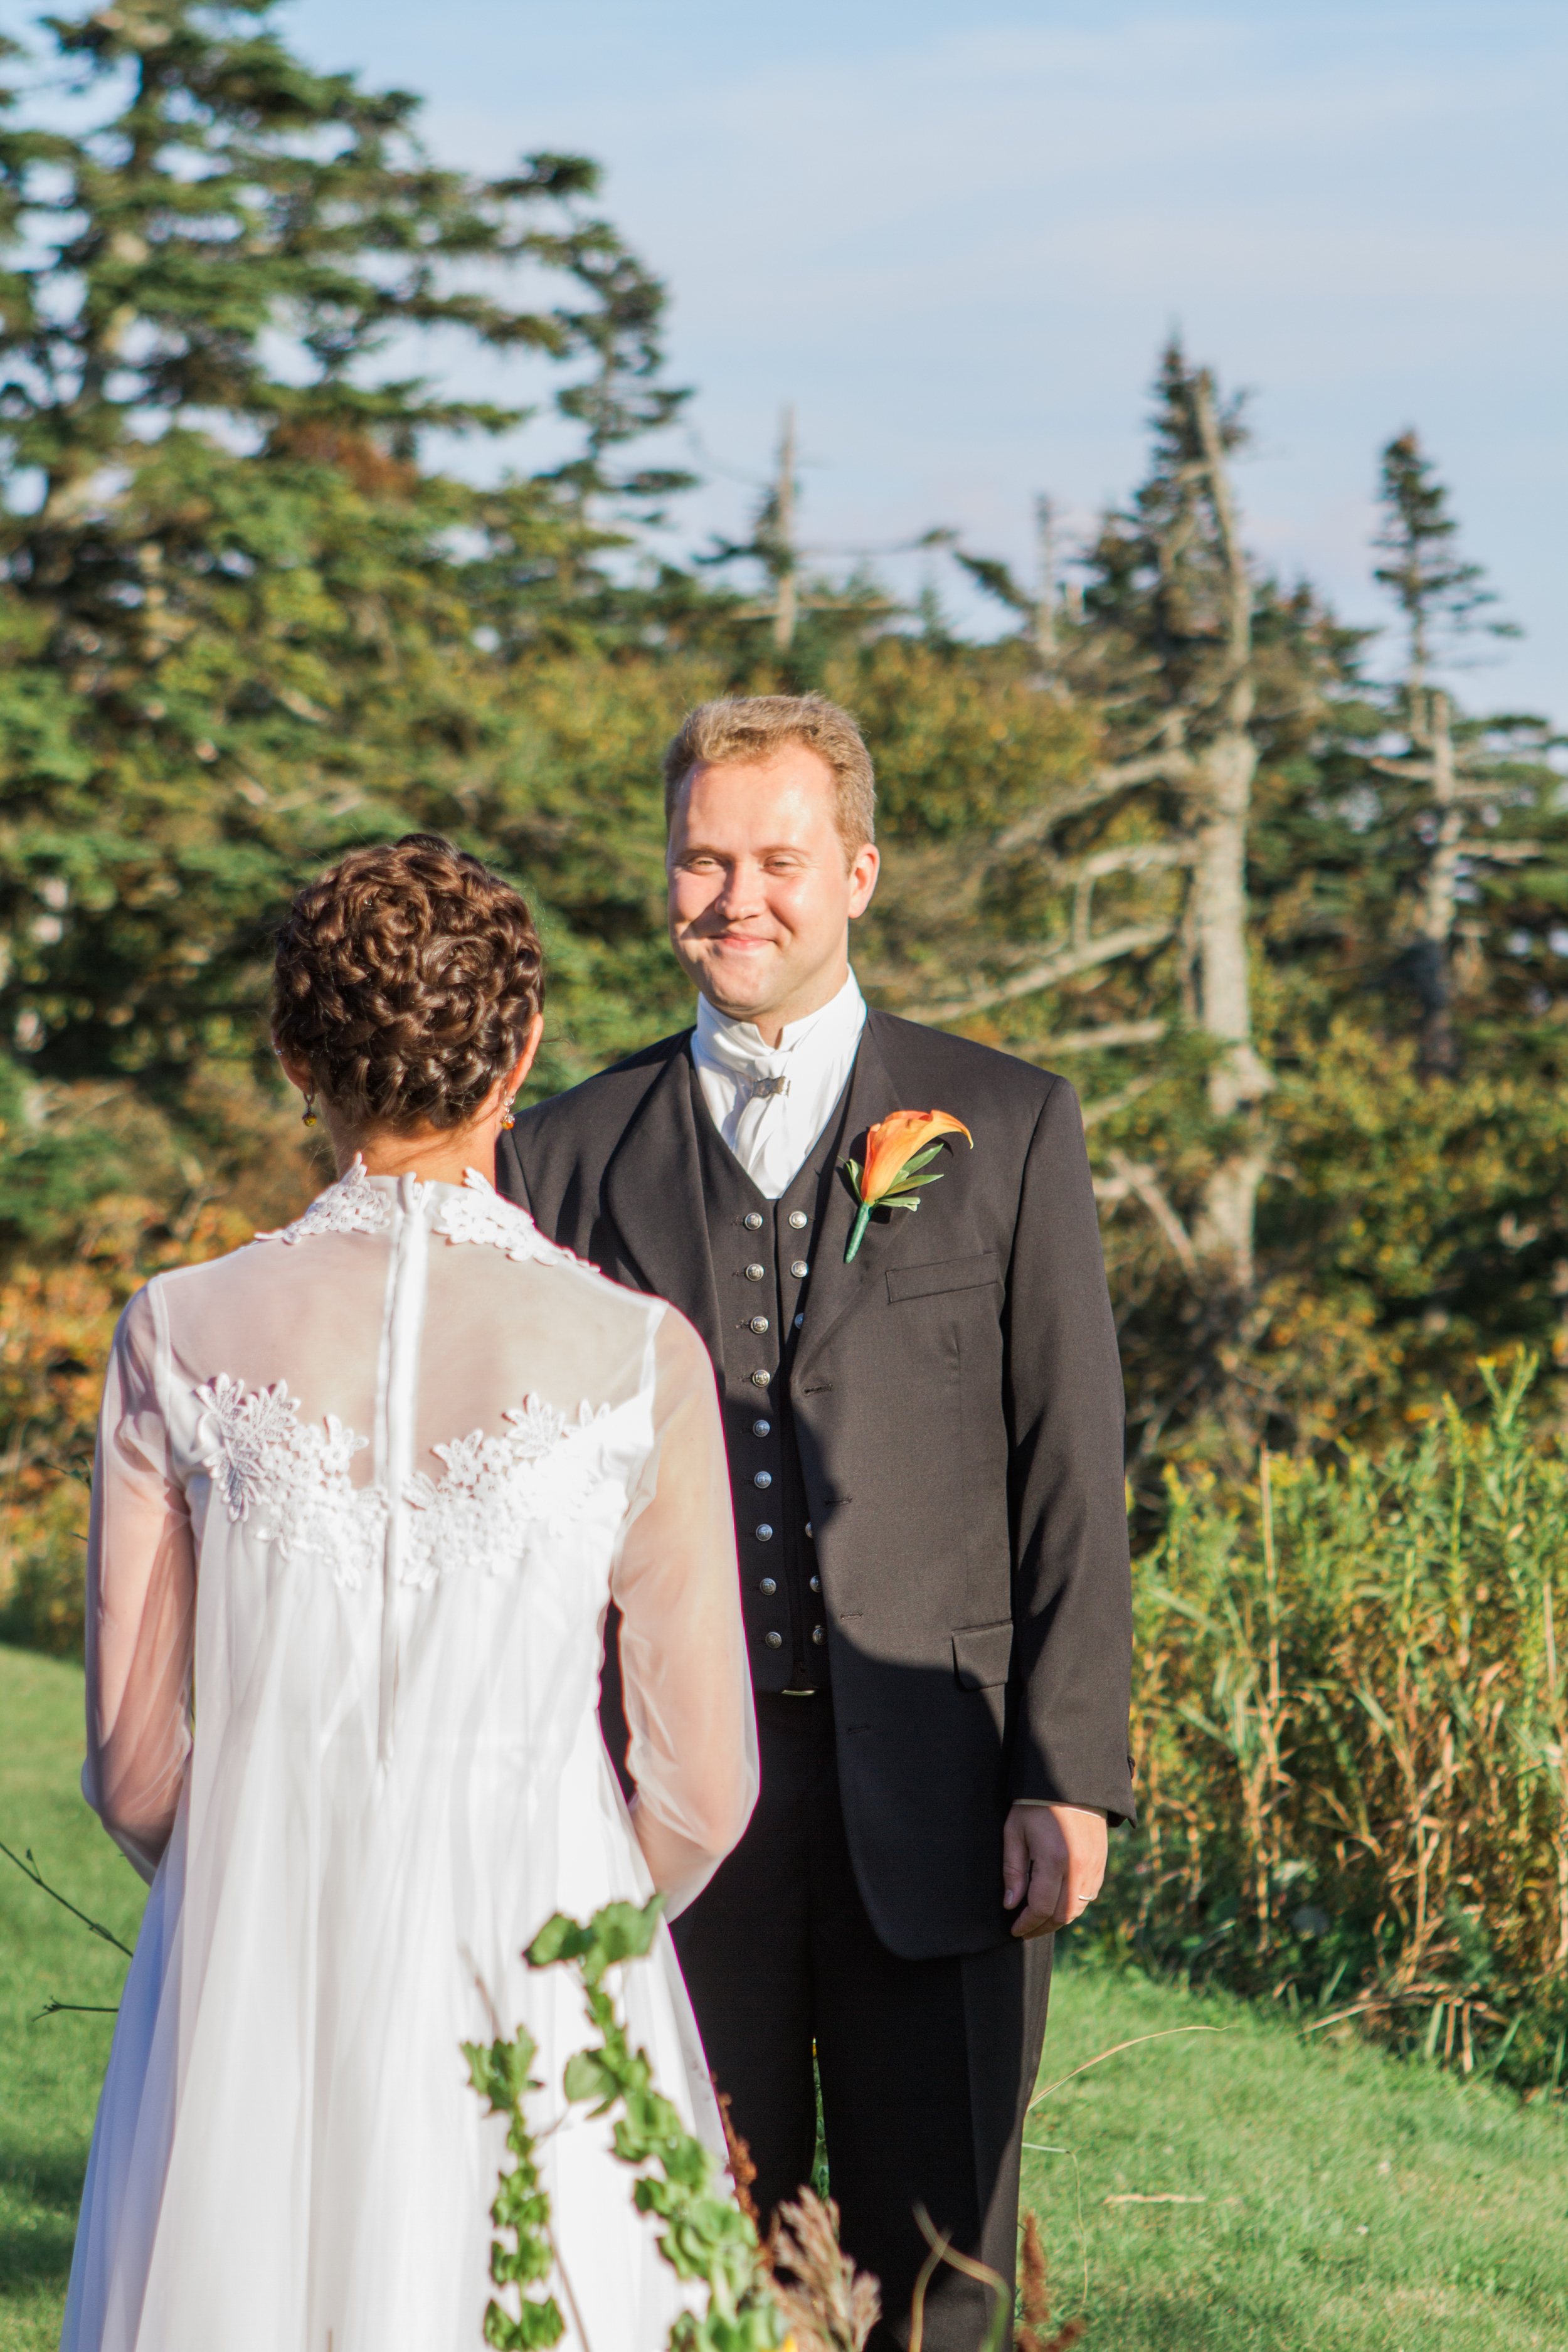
(406, 981)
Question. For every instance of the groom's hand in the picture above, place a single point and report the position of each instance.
(1053, 1862)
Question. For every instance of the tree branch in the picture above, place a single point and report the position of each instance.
(1093, 1040)
(1138, 857)
(1133, 939)
(1503, 852)
(1135, 1180)
(1171, 766)
(1108, 1106)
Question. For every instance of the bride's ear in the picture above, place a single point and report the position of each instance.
(525, 1062)
(298, 1073)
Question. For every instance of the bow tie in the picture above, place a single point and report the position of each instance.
(759, 1089)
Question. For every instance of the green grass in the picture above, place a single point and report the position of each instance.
(50, 2068)
(1351, 2203)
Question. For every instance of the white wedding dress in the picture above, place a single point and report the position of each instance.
(365, 1489)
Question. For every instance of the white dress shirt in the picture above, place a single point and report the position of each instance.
(770, 1103)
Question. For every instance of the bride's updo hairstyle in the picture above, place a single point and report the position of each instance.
(406, 982)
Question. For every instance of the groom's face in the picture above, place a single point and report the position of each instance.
(762, 890)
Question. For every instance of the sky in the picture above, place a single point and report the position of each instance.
(955, 239)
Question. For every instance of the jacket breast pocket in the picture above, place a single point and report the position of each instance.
(983, 1654)
(974, 1273)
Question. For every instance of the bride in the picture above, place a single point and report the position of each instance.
(364, 1492)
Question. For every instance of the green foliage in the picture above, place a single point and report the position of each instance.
(1352, 1723)
(1435, 587)
(521, 2207)
(965, 742)
(247, 626)
(706, 2236)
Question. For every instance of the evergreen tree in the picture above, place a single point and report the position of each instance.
(244, 623)
(1450, 772)
(1439, 592)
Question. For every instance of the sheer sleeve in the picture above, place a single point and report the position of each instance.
(141, 1607)
(694, 1751)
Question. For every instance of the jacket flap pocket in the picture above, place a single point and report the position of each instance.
(983, 1654)
(947, 1274)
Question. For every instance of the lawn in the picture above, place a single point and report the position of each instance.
(50, 2068)
(1333, 2199)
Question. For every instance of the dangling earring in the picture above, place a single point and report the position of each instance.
(506, 1103)
(309, 1116)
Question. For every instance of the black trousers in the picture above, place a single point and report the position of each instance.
(926, 2065)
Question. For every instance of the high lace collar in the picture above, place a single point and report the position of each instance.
(472, 1212)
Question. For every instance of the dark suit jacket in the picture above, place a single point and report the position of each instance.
(958, 1402)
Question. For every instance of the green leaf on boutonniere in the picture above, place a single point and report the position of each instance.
(896, 1148)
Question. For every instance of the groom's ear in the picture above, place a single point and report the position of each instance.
(864, 868)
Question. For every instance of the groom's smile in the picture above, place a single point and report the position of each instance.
(762, 887)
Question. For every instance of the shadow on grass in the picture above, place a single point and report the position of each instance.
(35, 2241)
(1199, 2321)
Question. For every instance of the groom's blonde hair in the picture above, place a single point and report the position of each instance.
(755, 725)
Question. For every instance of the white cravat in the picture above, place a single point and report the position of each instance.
(770, 1103)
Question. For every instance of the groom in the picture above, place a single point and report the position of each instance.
(925, 1452)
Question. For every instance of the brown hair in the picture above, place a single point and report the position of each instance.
(405, 981)
(755, 726)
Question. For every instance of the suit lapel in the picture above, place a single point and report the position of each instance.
(653, 1194)
(836, 1289)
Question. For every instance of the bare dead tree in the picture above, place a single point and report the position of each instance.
(1167, 649)
(786, 584)
(1440, 596)
(1459, 786)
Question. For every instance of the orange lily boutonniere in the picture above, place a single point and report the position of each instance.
(897, 1149)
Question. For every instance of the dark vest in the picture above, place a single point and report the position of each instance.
(760, 1251)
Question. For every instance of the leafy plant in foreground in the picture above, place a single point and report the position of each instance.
(707, 2238)
(501, 2076)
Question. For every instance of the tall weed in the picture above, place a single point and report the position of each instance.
(1351, 1736)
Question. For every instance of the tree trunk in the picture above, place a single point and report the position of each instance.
(1223, 1229)
(1219, 802)
(1439, 1053)
(786, 594)
(1044, 631)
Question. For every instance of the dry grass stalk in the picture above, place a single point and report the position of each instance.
(743, 2172)
(829, 2305)
(1033, 2293)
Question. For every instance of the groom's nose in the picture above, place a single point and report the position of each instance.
(740, 893)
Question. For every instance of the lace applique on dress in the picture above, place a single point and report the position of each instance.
(478, 1213)
(291, 1478)
(352, 1205)
(545, 1473)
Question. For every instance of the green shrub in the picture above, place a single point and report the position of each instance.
(1350, 1733)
